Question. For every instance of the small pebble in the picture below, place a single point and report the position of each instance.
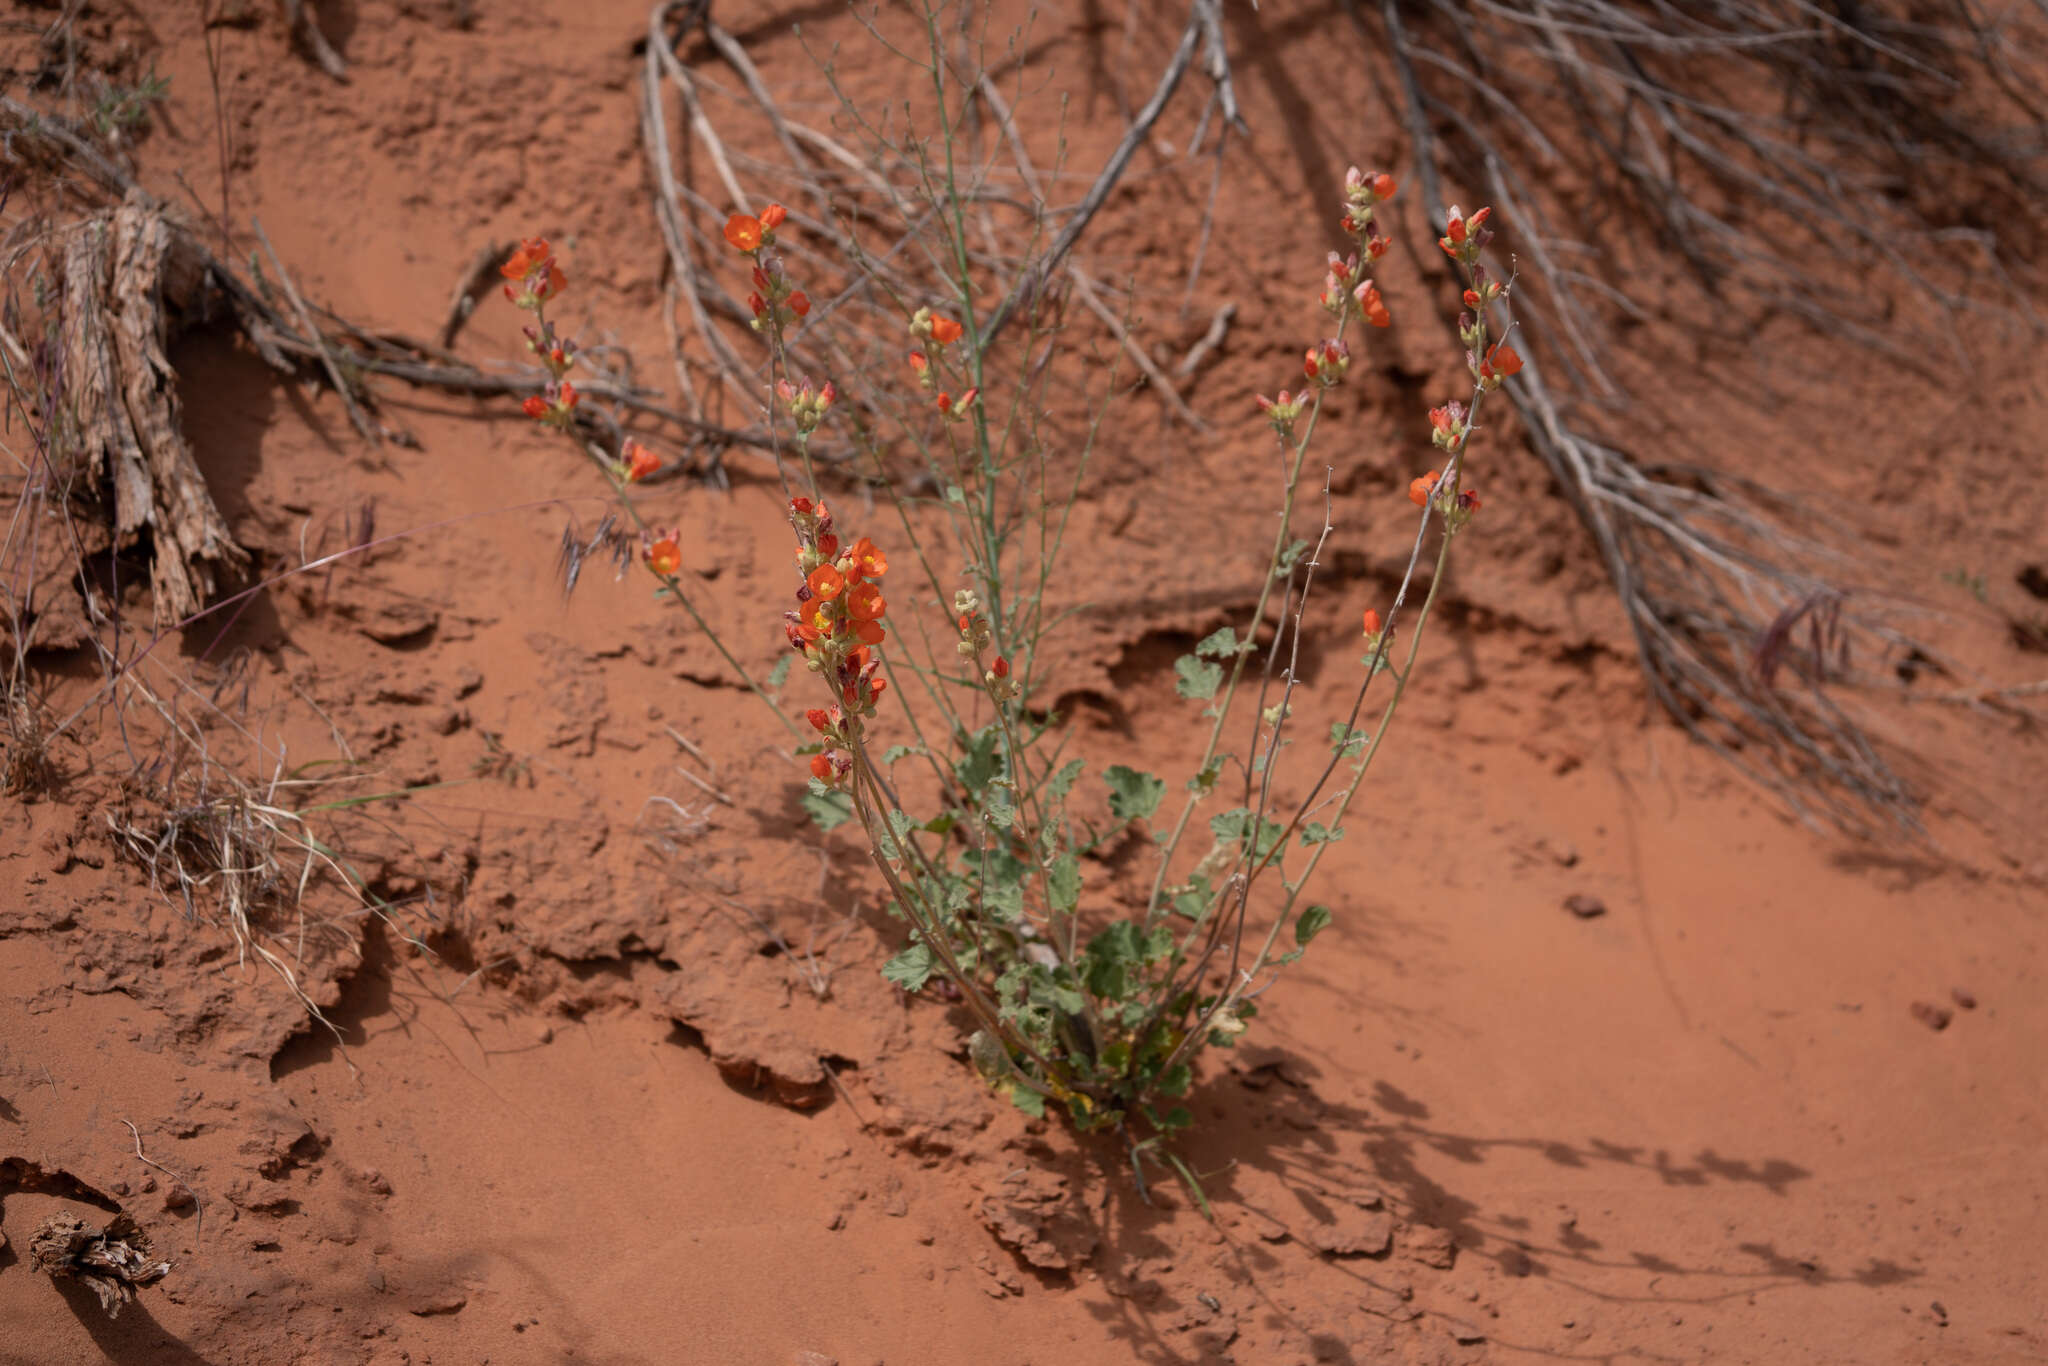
(178, 1198)
(1963, 998)
(1585, 907)
(1933, 1016)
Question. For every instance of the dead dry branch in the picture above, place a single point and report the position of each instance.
(1780, 152)
(119, 269)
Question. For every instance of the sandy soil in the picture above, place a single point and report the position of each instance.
(646, 1099)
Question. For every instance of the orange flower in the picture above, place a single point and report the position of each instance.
(1001, 669)
(815, 622)
(876, 687)
(871, 562)
(818, 717)
(570, 397)
(1383, 186)
(870, 632)
(522, 262)
(919, 363)
(640, 462)
(1504, 361)
(665, 557)
(772, 216)
(945, 330)
(821, 767)
(1373, 306)
(826, 582)
(864, 603)
(799, 303)
(743, 231)
(1420, 488)
(758, 304)
(535, 406)
(828, 546)
(1372, 622)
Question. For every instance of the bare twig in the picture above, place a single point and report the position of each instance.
(1084, 290)
(356, 415)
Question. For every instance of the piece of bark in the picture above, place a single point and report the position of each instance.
(117, 267)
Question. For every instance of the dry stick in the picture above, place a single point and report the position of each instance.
(1112, 171)
(668, 213)
(198, 1205)
(686, 86)
(482, 267)
(1216, 62)
(1219, 327)
(299, 19)
(750, 76)
(355, 414)
(1084, 290)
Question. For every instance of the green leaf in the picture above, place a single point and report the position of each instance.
(1005, 903)
(1063, 883)
(1110, 956)
(1027, 1100)
(895, 752)
(1179, 1117)
(1062, 782)
(779, 675)
(1344, 740)
(1218, 644)
(1289, 556)
(1194, 902)
(828, 807)
(1204, 782)
(955, 494)
(1133, 796)
(1001, 814)
(940, 824)
(1312, 923)
(1315, 832)
(910, 969)
(901, 824)
(1175, 1080)
(978, 765)
(1236, 824)
(1197, 677)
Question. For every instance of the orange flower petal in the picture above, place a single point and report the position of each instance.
(743, 232)
(826, 582)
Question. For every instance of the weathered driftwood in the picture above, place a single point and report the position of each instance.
(120, 267)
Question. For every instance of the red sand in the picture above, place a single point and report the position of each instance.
(1701, 1127)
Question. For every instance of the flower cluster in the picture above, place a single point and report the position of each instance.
(1425, 488)
(936, 333)
(976, 635)
(775, 302)
(532, 277)
(807, 407)
(1348, 294)
(838, 617)
(1348, 290)
(1327, 361)
(1464, 238)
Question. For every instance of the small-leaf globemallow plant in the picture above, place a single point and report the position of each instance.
(1093, 1008)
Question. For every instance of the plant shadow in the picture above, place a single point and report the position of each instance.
(1293, 1177)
